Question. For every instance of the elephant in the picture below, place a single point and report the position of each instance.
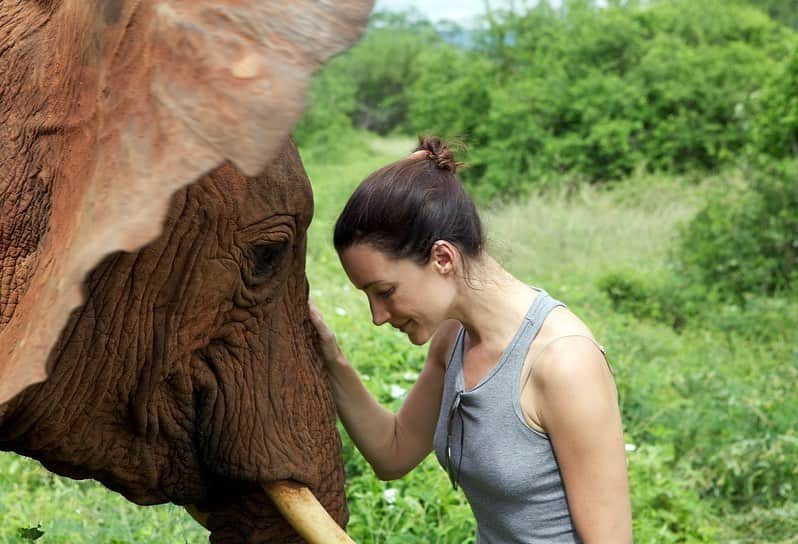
(154, 332)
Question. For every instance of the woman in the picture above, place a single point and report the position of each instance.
(516, 397)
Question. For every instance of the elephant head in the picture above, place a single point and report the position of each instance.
(189, 374)
(172, 325)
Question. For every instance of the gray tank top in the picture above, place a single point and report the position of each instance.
(506, 468)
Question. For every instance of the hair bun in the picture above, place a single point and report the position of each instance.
(438, 152)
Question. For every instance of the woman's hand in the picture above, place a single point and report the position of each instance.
(330, 350)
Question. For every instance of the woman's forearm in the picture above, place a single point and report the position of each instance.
(392, 443)
(371, 426)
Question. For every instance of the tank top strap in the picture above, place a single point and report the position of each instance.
(540, 309)
(513, 358)
(456, 355)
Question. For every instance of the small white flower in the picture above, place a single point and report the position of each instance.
(410, 376)
(631, 447)
(340, 311)
(366, 377)
(397, 392)
(346, 287)
(390, 495)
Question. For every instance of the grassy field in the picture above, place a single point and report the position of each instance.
(709, 410)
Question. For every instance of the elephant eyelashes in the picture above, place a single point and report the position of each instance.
(266, 259)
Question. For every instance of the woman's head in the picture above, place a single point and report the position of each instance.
(402, 209)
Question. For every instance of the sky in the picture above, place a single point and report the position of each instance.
(460, 10)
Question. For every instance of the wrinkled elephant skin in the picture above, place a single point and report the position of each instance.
(197, 376)
(108, 107)
(153, 334)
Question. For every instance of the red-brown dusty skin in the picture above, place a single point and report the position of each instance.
(108, 107)
(181, 362)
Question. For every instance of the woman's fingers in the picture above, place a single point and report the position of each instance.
(329, 345)
(318, 321)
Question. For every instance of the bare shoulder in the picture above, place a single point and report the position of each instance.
(571, 359)
(442, 342)
(562, 322)
(565, 362)
(572, 377)
(564, 333)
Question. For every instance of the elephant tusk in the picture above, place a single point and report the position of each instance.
(306, 515)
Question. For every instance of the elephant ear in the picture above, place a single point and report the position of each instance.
(138, 98)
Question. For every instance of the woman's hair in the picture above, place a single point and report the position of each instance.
(402, 209)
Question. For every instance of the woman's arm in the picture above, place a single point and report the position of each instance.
(393, 444)
(576, 404)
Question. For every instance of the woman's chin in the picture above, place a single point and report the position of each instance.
(418, 337)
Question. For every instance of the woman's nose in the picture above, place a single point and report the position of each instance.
(379, 314)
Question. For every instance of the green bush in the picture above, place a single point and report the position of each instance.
(763, 525)
(785, 11)
(755, 471)
(600, 92)
(596, 93)
(381, 69)
(631, 294)
(745, 240)
(451, 95)
(665, 505)
(775, 126)
(326, 126)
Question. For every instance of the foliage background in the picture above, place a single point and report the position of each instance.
(640, 162)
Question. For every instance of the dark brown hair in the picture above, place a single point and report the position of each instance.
(405, 207)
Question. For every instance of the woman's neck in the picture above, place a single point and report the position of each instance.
(491, 303)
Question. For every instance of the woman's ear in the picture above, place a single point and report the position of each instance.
(444, 256)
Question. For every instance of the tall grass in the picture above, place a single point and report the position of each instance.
(708, 411)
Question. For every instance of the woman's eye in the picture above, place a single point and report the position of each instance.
(386, 294)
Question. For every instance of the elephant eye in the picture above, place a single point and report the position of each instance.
(266, 258)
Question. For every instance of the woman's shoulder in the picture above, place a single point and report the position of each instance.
(562, 322)
(568, 353)
(565, 348)
(569, 364)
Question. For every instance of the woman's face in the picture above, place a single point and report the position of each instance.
(411, 297)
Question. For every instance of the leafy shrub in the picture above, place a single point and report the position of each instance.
(665, 506)
(775, 127)
(597, 93)
(760, 319)
(451, 95)
(764, 524)
(785, 11)
(745, 240)
(755, 471)
(601, 91)
(326, 126)
(631, 294)
(368, 87)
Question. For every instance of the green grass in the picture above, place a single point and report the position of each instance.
(69, 511)
(709, 410)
